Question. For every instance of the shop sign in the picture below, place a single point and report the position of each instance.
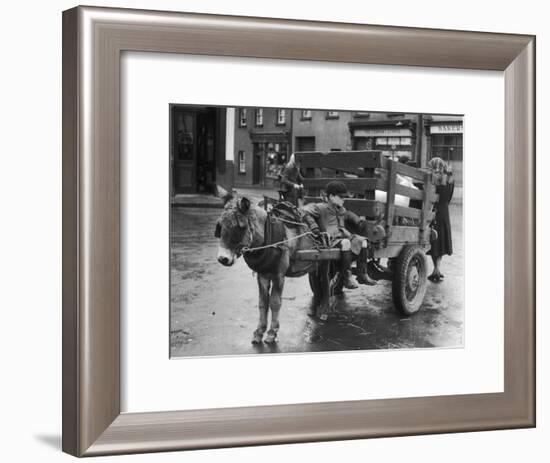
(446, 128)
(376, 132)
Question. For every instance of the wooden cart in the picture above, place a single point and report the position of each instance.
(396, 230)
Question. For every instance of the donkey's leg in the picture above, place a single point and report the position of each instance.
(263, 306)
(275, 298)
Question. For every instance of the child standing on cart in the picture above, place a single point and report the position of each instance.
(334, 220)
(292, 188)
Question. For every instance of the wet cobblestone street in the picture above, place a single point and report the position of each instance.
(214, 308)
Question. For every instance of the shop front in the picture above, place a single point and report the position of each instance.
(197, 149)
(395, 139)
(270, 154)
(446, 142)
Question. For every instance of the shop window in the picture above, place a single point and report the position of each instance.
(276, 159)
(452, 140)
(259, 117)
(389, 141)
(242, 162)
(447, 146)
(242, 117)
(281, 117)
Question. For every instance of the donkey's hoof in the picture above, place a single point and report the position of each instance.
(271, 339)
(257, 338)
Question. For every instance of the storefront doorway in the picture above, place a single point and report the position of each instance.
(194, 144)
(257, 166)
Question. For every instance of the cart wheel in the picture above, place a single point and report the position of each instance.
(336, 281)
(315, 284)
(410, 279)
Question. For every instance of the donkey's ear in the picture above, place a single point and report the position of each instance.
(223, 194)
(244, 205)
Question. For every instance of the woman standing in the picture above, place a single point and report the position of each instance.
(444, 186)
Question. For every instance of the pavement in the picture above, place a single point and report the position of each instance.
(214, 308)
(207, 201)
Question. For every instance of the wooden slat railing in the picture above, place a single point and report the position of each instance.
(340, 159)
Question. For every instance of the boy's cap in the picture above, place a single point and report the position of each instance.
(337, 188)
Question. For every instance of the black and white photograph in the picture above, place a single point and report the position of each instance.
(301, 230)
(275, 231)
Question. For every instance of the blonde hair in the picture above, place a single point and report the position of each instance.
(292, 160)
(438, 164)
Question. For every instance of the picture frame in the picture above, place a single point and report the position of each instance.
(93, 39)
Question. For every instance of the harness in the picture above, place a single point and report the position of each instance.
(265, 258)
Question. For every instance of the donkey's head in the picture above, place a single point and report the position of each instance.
(235, 229)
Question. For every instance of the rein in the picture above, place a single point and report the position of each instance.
(291, 222)
(278, 243)
(274, 245)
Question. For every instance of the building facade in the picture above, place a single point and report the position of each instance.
(315, 130)
(199, 158)
(262, 144)
(265, 138)
(445, 140)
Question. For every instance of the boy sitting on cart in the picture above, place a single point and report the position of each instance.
(332, 218)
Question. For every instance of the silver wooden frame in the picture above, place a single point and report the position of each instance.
(93, 39)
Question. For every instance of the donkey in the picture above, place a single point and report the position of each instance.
(242, 226)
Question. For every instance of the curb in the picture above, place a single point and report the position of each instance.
(197, 205)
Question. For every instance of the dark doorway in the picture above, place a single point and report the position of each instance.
(256, 168)
(193, 148)
(184, 150)
(206, 150)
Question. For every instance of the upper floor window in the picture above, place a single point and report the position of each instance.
(281, 116)
(306, 114)
(259, 116)
(242, 162)
(242, 117)
(333, 114)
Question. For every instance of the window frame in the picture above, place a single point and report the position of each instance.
(241, 162)
(259, 117)
(243, 117)
(282, 112)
